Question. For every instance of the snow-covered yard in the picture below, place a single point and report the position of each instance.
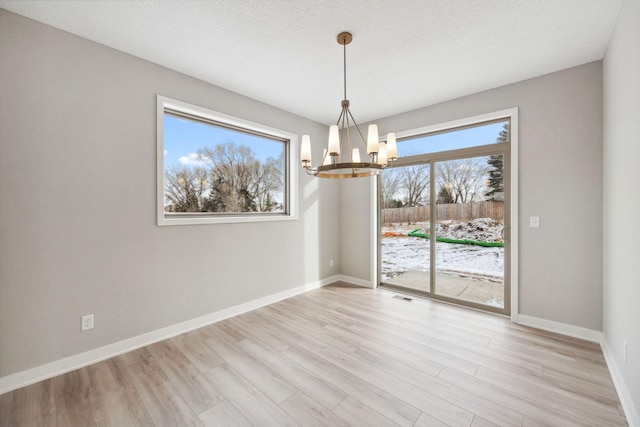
(401, 253)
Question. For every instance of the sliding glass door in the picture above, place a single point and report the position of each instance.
(444, 217)
(469, 226)
(406, 261)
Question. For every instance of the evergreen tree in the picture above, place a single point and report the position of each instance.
(217, 196)
(496, 178)
(444, 195)
(393, 203)
(248, 203)
(496, 174)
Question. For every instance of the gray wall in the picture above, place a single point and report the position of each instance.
(77, 216)
(355, 228)
(621, 202)
(78, 204)
(560, 168)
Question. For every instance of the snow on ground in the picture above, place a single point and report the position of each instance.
(401, 253)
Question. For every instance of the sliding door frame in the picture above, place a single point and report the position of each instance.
(510, 152)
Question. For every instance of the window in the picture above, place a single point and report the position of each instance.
(216, 168)
(475, 135)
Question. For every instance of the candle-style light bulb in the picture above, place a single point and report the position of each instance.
(373, 146)
(382, 154)
(305, 150)
(392, 148)
(334, 140)
(355, 157)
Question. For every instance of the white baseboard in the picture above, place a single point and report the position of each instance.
(630, 411)
(49, 370)
(354, 281)
(559, 328)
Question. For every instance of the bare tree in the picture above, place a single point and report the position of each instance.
(390, 181)
(268, 181)
(184, 187)
(415, 182)
(465, 178)
(239, 181)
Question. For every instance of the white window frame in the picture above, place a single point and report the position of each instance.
(291, 171)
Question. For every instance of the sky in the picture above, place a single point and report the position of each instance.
(183, 138)
(464, 138)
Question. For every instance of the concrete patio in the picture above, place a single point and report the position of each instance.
(464, 288)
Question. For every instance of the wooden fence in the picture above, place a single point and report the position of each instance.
(447, 211)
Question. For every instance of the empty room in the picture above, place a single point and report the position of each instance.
(314, 213)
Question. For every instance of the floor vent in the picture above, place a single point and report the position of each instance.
(400, 297)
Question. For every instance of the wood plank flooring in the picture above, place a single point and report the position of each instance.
(343, 356)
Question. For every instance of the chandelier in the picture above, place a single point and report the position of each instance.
(341, 159)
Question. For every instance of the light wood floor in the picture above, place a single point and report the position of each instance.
(337, 356)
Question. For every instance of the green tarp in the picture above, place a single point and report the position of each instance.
(417, 233)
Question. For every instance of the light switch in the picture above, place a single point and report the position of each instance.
(534, 222)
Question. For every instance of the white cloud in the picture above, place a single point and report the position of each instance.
(166, 152)
(192, 159)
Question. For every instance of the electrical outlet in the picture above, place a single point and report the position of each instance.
(624, 350)
(87, 322)
(331, 262)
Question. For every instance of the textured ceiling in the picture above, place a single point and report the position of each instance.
(405, 54)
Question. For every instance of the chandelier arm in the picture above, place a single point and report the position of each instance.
(348, 132)
(353, 170)
(364, 141)
(372, 156)
(340, 125)
(340, 117)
